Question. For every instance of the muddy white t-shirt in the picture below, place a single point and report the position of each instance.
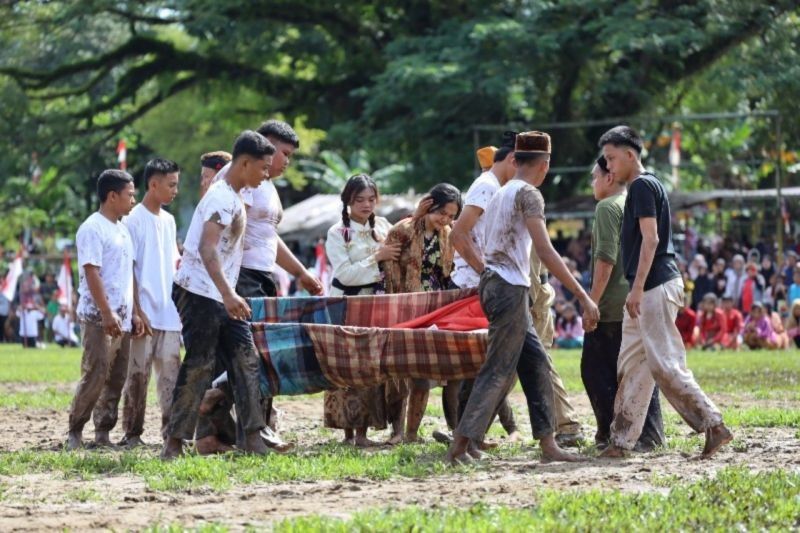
(155, 259)
(106, 245)
(224, 206)
(507, 242)
(479, 194)
(264, 213)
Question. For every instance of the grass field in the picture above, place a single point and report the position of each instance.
(326, 486)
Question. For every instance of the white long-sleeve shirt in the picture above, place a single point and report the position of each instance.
(354, 262)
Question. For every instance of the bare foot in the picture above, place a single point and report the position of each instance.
(211, 445)
(412, 439)
(716, 438)
(364, 442)
(475, 452)
(210, 400)
(349, 441)
(74, 440)
(282, 447)
(101, 439)
(613, 452)
(394, 439)
(487, 445)
(132, 442)
(457, 453)
(551, 451)
(514, 436)
(172, 448)
(254, 444)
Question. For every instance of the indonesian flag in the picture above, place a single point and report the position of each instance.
(321, 266)
(122, 154)
(9, 288)
(675, 148)
(65, 289)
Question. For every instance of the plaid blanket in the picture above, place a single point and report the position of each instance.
(316, 343)
(289, 364)
(361, 357)
(382, 310)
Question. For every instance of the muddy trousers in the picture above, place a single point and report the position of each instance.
(512, 347)
(566, 417)
(599, 375)
(161, 352)
(209, 333)
(652, 353)
(504, 413)
(104, 366)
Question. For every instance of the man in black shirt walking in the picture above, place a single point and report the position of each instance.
(652, 351)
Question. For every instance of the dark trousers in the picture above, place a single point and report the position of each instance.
(251, 284)
(504, 413)
(209, 335)
(513, 347)
(599, 375)
(29, 342)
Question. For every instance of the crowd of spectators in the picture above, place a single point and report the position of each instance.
(35, 316)
(737, 295)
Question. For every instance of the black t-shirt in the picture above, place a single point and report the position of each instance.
(648, 199)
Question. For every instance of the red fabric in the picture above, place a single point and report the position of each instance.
(462, 315)
(748, 291)
(712, 329)
(685, 321)
(735, 321)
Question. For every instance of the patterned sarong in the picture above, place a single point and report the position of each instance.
(316, 343)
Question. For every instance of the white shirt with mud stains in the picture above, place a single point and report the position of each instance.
(479, 195)
(224, 206)
(507, 243)
(108, 246)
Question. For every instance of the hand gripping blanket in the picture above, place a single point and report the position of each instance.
(316, 343)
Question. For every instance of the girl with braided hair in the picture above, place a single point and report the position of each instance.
(355, 247)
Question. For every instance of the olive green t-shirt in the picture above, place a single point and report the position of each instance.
(606, 233)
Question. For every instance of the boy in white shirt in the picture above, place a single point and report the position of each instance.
(155, 259)
(213, 316)
(105, 308)
(29, 319)
(63, 333)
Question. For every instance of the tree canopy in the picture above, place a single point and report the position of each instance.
(404, 80)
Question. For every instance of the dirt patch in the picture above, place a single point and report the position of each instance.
(46, 501)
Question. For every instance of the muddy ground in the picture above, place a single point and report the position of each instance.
(46, 500)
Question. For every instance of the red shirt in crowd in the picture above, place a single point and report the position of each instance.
(713, 328)
(686, 321)
(734, 321)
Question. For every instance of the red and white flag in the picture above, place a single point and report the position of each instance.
(9, 287)
(321, 266)
(122, 154)
(65, 290)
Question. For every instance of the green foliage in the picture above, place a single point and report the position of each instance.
(733, 499)
(331, 171)
(404, 82)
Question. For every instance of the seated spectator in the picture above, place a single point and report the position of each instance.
(63, 330)
(29, 317)
(734, 322)
(686, 321)
(758, 332)
(777, 326)
(711, 324)
(569, 329)
(793, 323)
